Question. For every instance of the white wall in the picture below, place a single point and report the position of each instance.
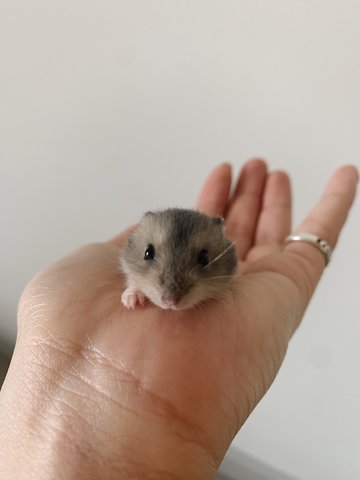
(109, 108)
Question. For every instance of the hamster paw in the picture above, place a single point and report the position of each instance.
(131, 297)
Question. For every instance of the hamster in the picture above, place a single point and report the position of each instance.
(177, 258)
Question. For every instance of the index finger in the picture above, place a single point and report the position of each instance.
(214, 194)
(120, 239)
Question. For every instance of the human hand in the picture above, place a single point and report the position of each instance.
(97, 391)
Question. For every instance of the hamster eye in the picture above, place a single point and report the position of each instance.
(203, 258)
(149, 252)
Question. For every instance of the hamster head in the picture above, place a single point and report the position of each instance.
(178, 258)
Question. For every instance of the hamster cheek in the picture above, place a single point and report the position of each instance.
(200, 293)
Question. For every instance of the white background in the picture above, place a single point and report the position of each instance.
(109, 108)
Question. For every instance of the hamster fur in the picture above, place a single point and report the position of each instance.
(177, 258)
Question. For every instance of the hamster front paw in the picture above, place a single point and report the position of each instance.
(131, 297)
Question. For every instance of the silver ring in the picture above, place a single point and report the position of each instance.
(321, 244)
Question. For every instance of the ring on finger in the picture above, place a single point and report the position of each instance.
(318, 242)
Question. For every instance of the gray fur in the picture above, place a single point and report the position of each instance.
(178, 236)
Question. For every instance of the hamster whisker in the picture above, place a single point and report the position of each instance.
(220, 277)
(220, 255)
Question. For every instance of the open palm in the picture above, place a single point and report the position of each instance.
(167, 378)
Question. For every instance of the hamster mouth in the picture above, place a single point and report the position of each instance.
(170, 301)
(184, 303)
(175, 307)
(171, 304)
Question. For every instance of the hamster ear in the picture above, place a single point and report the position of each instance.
(218, 220)
(148, 214)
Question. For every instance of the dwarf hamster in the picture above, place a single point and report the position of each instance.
(177, 258)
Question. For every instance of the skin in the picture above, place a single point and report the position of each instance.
(95, 391)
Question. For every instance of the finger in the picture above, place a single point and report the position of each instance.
(214, 194)
(328, 216)
(212, 200)
(275, 218)
(244, 207)
(120, 239)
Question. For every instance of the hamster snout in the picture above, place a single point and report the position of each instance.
(177, 258)
(174, 290)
